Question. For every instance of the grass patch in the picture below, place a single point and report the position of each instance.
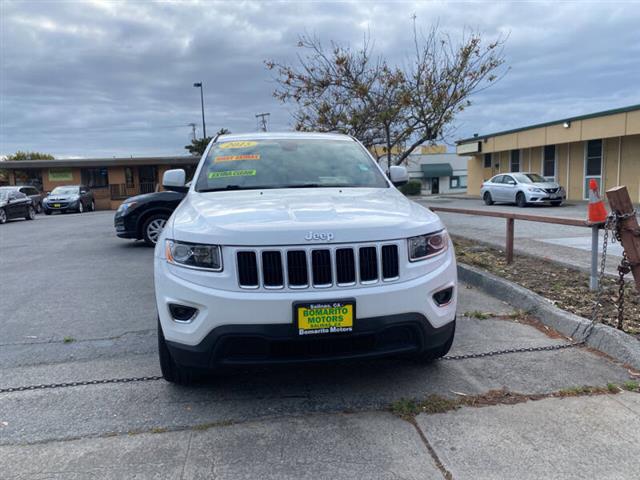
(68, 340)
(408, 408)
(477, 314)
(631, 385)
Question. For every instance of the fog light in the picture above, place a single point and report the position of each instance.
(443, 297)
(182, 313)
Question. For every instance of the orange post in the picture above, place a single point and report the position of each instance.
(597, 212)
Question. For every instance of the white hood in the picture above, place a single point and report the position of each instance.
(286, 216)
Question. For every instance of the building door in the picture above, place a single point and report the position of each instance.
(147, 175)
(435, 185)
(592, 165)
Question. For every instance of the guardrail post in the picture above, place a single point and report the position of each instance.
(509, 242)
(620, 203)
(595, 240)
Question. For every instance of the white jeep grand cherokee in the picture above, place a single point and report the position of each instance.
(293, 248)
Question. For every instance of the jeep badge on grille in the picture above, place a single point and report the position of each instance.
(309, 237)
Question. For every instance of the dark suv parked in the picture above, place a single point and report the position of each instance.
(69, 198)
(143, 217)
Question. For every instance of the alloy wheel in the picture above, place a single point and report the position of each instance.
(154, 229)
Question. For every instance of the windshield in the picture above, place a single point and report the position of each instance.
(65, 191)
(288, 163)
(529, 178)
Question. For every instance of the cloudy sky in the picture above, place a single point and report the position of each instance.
(106, 78)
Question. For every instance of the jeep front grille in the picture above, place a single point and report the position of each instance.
(317, 267)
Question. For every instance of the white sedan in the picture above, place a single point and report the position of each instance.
(522, 189)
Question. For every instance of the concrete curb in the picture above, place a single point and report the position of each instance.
(615, 343)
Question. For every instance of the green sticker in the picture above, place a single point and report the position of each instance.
(233, 173)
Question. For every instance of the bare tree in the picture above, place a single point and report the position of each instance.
(353, 92)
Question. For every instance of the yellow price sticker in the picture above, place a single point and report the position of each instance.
(238, 144)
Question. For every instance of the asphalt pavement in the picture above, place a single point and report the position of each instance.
(561, 243)
(77, 304)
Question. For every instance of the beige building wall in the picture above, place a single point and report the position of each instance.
(620, 134)
(620, 165)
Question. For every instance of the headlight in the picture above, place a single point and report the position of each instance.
(426, 246)
(124, 207)
(535, 189)
(205, 257)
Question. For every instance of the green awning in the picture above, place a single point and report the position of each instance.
(436, 170)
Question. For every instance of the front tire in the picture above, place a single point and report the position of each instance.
(39, 208)
(80, 207)
(153, 227)
(31, 213)
(487, 199)
(431, 354)
(171, 371)
(521, 200)
(3, 216)
(92, 206)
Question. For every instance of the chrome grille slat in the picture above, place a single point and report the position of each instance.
(318, 266)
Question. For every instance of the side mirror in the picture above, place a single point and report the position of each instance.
(398, 175)
(174, 180)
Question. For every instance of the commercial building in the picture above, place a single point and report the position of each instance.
(604, 146)
(439, 173)
(111, 179)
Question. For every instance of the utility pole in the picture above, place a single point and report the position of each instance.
(204, 128)
(262, 121)
(193, 130)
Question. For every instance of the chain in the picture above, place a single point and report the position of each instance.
(78, 384)
(495, 353)
(467, 356)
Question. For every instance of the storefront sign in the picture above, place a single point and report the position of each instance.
(474, 147)
(60, 175)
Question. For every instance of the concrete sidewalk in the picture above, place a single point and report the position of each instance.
(571, 438)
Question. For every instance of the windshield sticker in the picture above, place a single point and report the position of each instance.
(232, 173)
(235, 158)
(244, 144)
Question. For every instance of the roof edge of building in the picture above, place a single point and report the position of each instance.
(602, 113)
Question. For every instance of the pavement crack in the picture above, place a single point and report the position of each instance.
(186, 457)
(434, 456)
(82, 340)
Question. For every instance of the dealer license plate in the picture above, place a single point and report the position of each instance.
(324, 317)
(553, 196)
(56, 205)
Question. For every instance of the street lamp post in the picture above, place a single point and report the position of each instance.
(204, 128)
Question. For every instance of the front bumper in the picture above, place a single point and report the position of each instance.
(544, 197)
(125, 226)
(63, 206)
(255, 344)
(385, 312)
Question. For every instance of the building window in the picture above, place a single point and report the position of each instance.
(549, 161)
(515, 160)
(95, 177)
(128, 177)
(593, 163)
(487, 160)
(459, 181)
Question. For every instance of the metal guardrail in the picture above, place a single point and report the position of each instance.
(512, 217)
